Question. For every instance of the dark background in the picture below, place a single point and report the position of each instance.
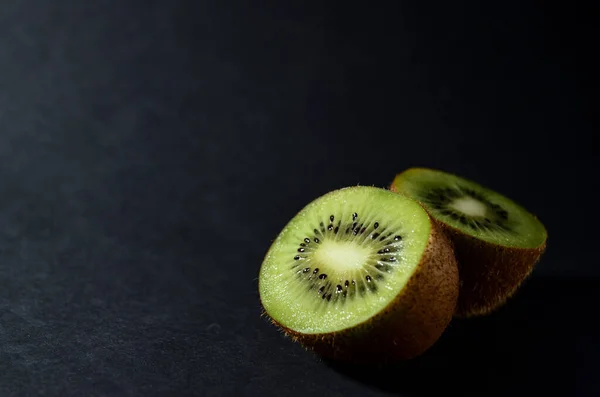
(151, 151)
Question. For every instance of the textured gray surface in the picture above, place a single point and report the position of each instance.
(150, 151)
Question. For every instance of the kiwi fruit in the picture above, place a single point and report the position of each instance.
(496, 241)
(361, 274)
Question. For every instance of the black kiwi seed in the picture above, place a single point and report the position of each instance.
(316, 231)
(346, 283)
(329, 297)
(321, 289)
(354, 216)
(296, 257)
(330, 227)
(368, 278)
(307, 240)
(331, 218)
(375, 235)
(316, 271)
(375, 225)
(353, 282)
(337, 228)
(302, 245)
(316, 240)
(338, 288)
(397, 238)
(306, 269)
(363, 230)
(300, 249)
(323, 276)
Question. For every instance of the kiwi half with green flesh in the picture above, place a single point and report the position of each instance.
(361, 274)
(497, 242)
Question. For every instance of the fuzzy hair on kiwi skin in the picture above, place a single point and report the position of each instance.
(409, 325)
(489, 273)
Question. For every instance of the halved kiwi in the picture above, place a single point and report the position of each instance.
(496, 241)
(361, 274)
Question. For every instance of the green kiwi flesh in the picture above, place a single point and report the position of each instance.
(361, 274)
(497, 242)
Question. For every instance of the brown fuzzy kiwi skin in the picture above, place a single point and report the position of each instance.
(409, 325)
(489, 273)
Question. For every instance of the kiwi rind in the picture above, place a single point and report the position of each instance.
(489, 273)
(408, 325)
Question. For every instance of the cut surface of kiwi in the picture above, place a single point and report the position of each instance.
(343, 272)
(497, 241)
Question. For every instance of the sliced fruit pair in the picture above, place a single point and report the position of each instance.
(361, 274)
(366, 274)
(497, 242)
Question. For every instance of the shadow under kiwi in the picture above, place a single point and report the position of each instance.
(543, 340)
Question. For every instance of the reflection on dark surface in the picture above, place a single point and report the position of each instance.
(541, 341)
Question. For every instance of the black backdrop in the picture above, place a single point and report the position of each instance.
(150, 152)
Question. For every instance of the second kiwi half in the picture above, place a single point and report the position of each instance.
(497, 242)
